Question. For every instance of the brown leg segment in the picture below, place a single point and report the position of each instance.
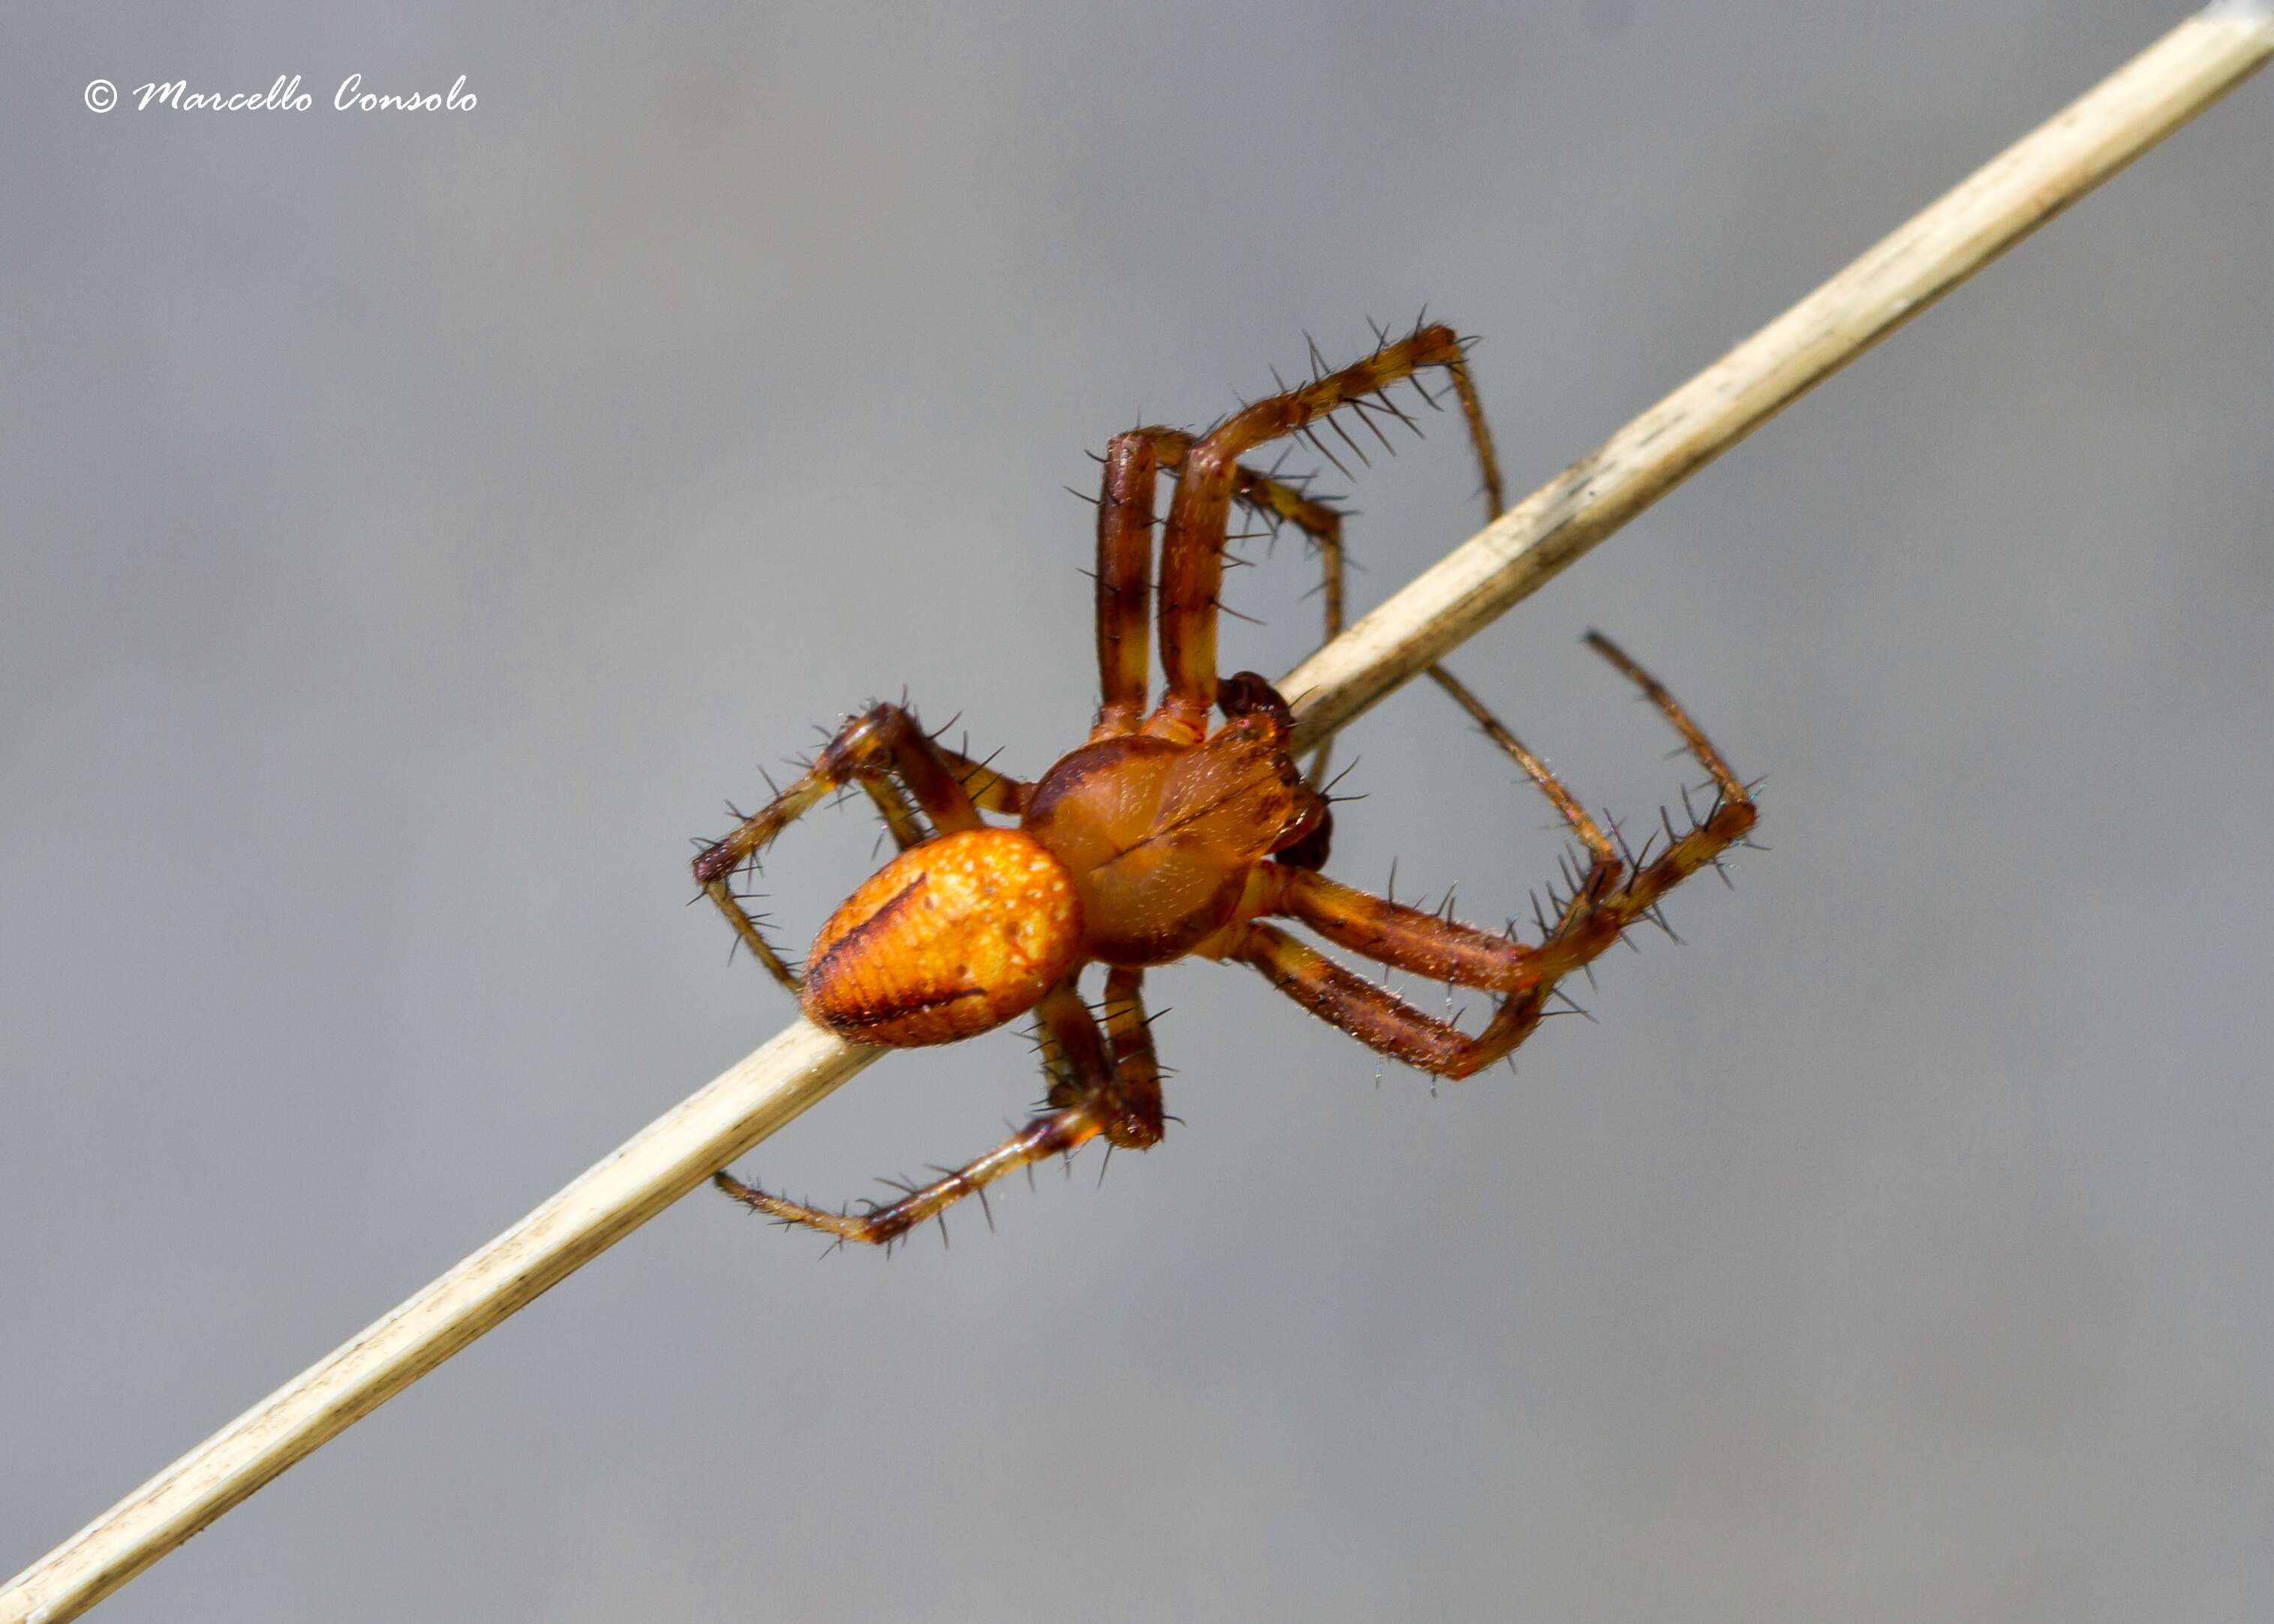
(1283, 503)
(1599, 910)
(1124, 582)
(892, 806)
(1410, 939)
(1125, 576)
(1118, 1087)
(1192, 556)
(990, 791)
(1096, 1093)
(1134, 1119)
(1341, 998)
(1384, 1022)
(1055, 1134)
(885, 745)
(1125, 514)
(1279, 502)
(1324, 526)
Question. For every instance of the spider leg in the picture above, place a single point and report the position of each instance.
(1124, 560)
(1122, 1092)
(1284, 503)
(1343, 998)
(1054, 1134)
(1602, 906)
(1094, 1092)
(1133, 1119)
(886, 751)
(990, 791)
(1124, 581)
(1125, 517)
(892, 806)
(1604, 867)
(1191, 550)
(1410, 938)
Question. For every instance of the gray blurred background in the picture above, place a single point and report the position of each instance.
(419, 525)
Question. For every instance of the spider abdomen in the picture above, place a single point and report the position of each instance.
(949, 939)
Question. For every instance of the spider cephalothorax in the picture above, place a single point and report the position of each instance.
(1164, 838)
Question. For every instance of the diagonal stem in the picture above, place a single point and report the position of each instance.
(2144, 101)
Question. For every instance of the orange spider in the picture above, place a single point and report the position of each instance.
(1163, 839)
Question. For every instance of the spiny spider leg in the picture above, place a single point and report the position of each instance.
(1523, 1012)
(1281, 502)
(1115, 1095)
(990, 791)
(1410, 938)
(1324, 524)
(1603, 862)
(1131, 1117)
(884, 744)
(892, 806)
(1125, 517)
(1597, 915)
(1055, 1134)
(1191, 550)
(1124, 582)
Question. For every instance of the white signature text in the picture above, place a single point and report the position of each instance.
(286, 96)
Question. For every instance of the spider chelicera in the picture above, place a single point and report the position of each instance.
(1162, 838)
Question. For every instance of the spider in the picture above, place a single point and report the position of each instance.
(1162, 837)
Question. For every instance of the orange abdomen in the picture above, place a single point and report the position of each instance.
(949, 939)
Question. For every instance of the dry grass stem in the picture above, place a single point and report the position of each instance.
(2144, 101)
